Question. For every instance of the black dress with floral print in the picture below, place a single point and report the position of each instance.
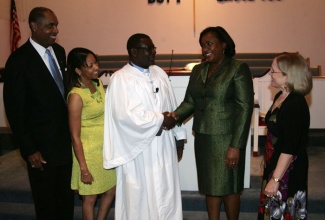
(288, 128)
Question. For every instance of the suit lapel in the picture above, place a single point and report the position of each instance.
(221, 69)
(37, 60)
(204, 72)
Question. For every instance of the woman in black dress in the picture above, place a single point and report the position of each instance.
(284, 187)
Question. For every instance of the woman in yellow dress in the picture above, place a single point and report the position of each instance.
(86, 97)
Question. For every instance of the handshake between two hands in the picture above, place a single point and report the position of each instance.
(170, 120)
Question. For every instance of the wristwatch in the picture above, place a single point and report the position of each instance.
(276, 179)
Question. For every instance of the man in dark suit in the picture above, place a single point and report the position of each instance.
(37, 113)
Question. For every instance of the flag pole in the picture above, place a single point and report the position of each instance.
(194, 25)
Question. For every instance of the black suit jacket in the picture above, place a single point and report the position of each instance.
(36, 111)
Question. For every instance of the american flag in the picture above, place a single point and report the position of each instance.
(15, 31)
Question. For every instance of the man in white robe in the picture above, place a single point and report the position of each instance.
(135, 142)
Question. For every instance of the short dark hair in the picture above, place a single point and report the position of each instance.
(37, 14)
(223, 36)
(134, 40)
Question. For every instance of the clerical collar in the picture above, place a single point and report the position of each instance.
(140, 68)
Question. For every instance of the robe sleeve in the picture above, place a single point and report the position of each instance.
(179, 130)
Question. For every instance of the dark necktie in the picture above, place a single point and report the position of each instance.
(55, 72)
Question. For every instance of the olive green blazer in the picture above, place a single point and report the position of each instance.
(221, 104)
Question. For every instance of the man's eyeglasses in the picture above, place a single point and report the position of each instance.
(148, 48)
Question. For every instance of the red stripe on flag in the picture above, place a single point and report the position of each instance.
(15, 31)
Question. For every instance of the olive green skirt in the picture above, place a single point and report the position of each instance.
(213, 177)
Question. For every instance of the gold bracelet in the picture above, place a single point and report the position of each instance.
(277, 180)
(86, 174)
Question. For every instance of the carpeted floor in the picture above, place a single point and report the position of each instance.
(16, 201)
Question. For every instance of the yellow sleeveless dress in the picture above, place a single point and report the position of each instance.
(92, 131)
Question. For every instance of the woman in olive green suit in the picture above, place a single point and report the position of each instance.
(220, 94)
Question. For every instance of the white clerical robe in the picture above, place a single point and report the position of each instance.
(148, 185)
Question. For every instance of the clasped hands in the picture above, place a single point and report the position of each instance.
(170, 120)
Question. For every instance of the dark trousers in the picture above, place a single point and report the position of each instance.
(52, 194)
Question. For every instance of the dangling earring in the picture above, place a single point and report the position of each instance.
(223, 51)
